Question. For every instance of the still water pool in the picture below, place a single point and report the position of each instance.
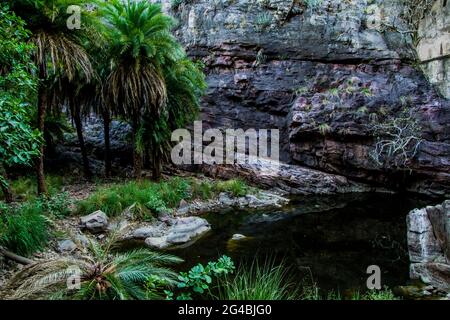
(333, 239)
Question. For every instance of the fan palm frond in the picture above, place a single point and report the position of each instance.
(102, 275)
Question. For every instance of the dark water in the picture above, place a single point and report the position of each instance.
(334, 239)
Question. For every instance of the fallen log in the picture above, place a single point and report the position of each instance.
(14, 257)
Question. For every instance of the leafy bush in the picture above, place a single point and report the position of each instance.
(19, 143)
(199, 279)
(260, 282)
(57, 205)
(24, 230)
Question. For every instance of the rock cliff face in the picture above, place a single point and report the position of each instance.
(434, 46)
(333, 76)
(429, 245)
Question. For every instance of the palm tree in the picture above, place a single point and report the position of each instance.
(103, 274)
(185, 85)
(140, 45)
(58, 53)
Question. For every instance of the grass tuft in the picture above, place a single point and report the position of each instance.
(267, 281)
(25, 229)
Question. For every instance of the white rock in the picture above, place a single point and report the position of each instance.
(66, 246)
(238, 237)
(95, 222)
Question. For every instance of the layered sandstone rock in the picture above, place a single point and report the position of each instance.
(324, 75)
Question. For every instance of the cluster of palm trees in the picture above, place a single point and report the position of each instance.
(122, 62)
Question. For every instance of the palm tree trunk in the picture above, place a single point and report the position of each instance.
(157, 167)
(137, 156)
(42, 106)
(79, 127)
(106, 124)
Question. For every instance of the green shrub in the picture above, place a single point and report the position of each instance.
(200, 278)
(236, 187)
(260, 282)
(24, 230)
(57, 205)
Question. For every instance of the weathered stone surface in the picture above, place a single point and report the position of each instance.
(434, 46)
(428, 243)
(182, 232)
(439, 217)
(148, 232)
(82, 240)
(332, 126)
(437, 274)
(95, 222)
(324, 77)
(290, 178)
(66, 246)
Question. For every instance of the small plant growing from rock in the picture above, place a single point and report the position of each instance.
(324, 128)
(263, 22)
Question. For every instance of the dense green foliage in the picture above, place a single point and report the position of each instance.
(149, 198)
(19, 143)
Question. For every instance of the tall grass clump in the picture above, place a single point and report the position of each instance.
(147, 198)
(115, 199)
(266, 281)
(235, 187)
(24, 230)
(202, 190)
(174, 190)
